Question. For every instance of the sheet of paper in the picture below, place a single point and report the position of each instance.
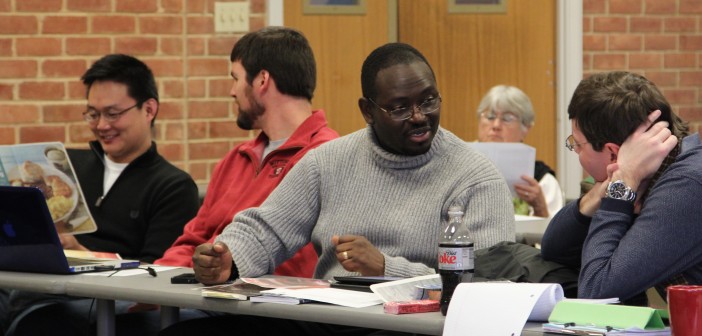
(405, 289)
(513, 159)
(341, 297)
(476, 306)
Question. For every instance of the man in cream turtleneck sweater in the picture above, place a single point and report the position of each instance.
(372, 202)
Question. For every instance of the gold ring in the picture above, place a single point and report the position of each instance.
(346, 255)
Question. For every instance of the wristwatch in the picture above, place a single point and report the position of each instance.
(619, 190)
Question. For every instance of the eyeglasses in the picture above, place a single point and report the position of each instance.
(92, 115)
(571, 144)
(429, 105)
(507, 117)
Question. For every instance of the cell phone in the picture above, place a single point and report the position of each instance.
(185, 278)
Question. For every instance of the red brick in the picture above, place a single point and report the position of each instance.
(196, 46)
(659, 42)
(161, 25)
(609, 62)
(41, 90)
(660, 6)
(196, 6)
(172, 152)
(679, 96)
(171, 110)
(174, 131)
(65, 25)
(80, 133)
(684, 60)
(171, 45)
(87, 46)
(6, 91)
(690, 113)
(690, 42)
(5, 5)
(209, 150)
(609, 24)
(16, 24)
(137, 6)
(220, 87)
(625, 6)
(691, 78)
(7, 135)
(166, 67)
(136, 45)
(587, 62)
(587, 25)
(76, 90)
(197, 88)
(594, 42)
(200, 25)
(227, 129)
(172, 89)
(646, 25)
(88, 5)
(220, 46)
(17, 114)
(257, 23)
(197, 130)
(38, 5)
(63, 68)
(625, 42)
(64, 113)
(690, 6)
(6, 47)
(18, 69)
(662, 78)
(208, 109)
(38, 46)
(209, 67)
(114, 24)
(680, 24)
(172, 6)
(594, 6)
(199, 171)
(645, 61)
(258, 6)
(42, 133)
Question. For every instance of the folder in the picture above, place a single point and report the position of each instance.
(575, 315)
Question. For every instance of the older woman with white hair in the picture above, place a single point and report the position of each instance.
(506, 115)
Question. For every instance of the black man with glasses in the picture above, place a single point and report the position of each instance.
(505, 114)
(371, 202)
(639, 226)
(139, 200)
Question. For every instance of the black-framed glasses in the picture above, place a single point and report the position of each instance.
(428, 106)
(571, 144)
(507, 117)
(92, 115)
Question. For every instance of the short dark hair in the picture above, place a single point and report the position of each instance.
(384, 57)
(127, 70)
(608, 107)
(284, 53)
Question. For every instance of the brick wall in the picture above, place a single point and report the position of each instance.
(46, 45)
(660, 39)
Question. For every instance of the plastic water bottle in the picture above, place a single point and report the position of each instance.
(456, 262)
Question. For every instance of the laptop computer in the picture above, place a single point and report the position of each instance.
(29, 241)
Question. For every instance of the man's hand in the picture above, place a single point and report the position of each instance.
(642, 152)
(590, 202)
(212, 263)
(357, 254)
(532, 194)
(69, 242)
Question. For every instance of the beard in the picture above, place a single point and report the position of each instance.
(247, 118)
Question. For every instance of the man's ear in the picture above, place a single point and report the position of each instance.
(263, 80)
(364, 106)
(613, 150)
(151, 108)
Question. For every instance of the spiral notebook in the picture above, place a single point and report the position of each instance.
(29, 241)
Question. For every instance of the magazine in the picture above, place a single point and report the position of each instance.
(234, 291)
(46, 166)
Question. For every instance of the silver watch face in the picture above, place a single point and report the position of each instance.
(619, 190)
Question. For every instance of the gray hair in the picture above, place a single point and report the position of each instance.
(508, 99)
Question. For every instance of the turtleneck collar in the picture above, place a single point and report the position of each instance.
(396, 161)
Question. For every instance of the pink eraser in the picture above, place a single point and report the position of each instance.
(410, 307)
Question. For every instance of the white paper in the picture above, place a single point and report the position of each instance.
(405, 289)
(341, 297)
(513, 159)
(499, 308)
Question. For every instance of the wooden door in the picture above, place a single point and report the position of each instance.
(472, 52)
